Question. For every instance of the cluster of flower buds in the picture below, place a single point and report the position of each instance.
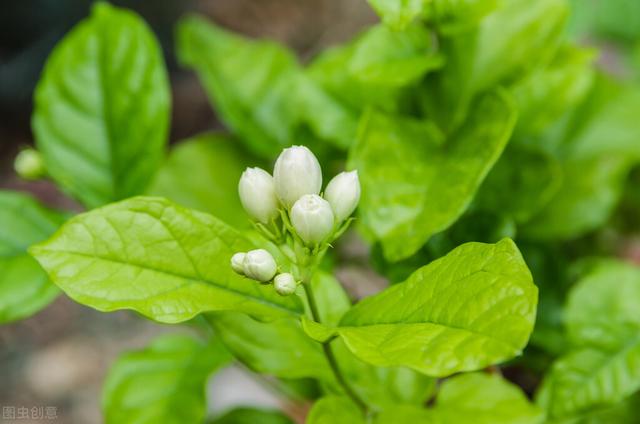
(259, 265)
(290, 202)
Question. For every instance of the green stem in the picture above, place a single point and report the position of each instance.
(331, 358)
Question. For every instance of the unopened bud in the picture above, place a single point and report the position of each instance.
(284, 284)
(296, 173)
(257, 194)
(343, 194)
(312, 218)
(28, 164)
(237, 262)
(259, 265)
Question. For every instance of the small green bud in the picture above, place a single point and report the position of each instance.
(28, 164)
(285, 284)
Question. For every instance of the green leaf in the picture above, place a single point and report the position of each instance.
(164, 382)
(520, 191)
(160, 259)
(448, 15)
(549, 91)
(102, 104)
(516, 37)
(376, 67)
(412, 187)
(252, 416)
(602, 308)
(203, 173)
(477, 398)
(602, 318)
(24, 286)
(597, 143)
(470, 309)
(278, 348)
(591, 378)
(334, 410)
(247, 80)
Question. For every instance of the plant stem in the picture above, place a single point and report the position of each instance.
(331, 358)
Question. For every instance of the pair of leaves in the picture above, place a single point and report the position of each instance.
(164, 382)
(413, 186)
(604, 325)
(478, 398)
(101, 105)
(24, 286)
(470, 309)
(162, 260)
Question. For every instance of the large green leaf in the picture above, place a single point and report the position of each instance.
(414, 187)
(596, 144)
(515, 38)
(102, 108)
(472, 308)
(24, 286)
(602, 319)
(279, 348)
(164, 382)
(471, 398)
(160, 259)
(203, 173)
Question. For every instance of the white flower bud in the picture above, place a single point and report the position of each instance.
(28, 164)
(259, 265)
(312, 218)
(296, 173)
(343, 194)
(284, 284)
(258, 195)
(237, 262)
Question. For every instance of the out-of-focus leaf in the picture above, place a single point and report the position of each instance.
(375, 67)
(602, 319)
(24, 286)
(469, 309)
(412, 185)
(167, 262)
(618, 19)
(520, 191)
(515, 38)
(278, 348)
(164, 383)
(466, 398)
(260, 91)
(546, 93)
(102, 108)
(252, 416)
(447, 15)
(335, 410)
(602, 308)
(248, 82)
(596, 144)
(203, 173)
